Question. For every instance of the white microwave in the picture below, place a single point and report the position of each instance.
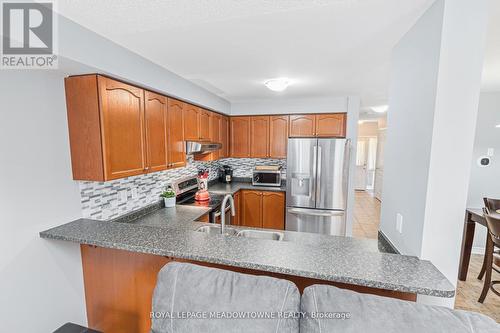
(266, 178)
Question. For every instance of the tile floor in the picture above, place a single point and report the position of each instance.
(366, 215)
(468, 292)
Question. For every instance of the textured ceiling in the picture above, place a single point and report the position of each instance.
(329, 47)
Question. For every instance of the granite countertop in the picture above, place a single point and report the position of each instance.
(235, 186)
(172, 232)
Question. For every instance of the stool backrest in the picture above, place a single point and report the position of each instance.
(492, 204)
(493, 223)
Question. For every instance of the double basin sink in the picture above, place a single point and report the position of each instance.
(247, 233)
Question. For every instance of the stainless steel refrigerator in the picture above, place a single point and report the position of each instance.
(316, 185)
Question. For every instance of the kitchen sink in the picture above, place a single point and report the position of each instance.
(216, 230)
(261, 234)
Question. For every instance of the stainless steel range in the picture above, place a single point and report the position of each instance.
(186, 189)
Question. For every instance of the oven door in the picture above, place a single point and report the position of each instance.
(215, 216)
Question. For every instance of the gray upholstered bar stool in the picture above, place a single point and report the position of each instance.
(492, 258)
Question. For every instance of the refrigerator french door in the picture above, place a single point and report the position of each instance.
(317, 179)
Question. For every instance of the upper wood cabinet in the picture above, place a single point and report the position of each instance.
(215, 123)
(302, 125)
(191, 122)
(176, 145)
(331, 125)
(239, 136)
(259, 136)
(224, 137)
(106, 128)
(204, 126)
(278, 136)
(320, 125)
(262, 209)
(156, 131)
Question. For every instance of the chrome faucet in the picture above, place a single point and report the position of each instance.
(223, 211)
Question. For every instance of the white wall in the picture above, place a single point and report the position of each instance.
(485, 182)
(84, 46)
(433, 102)
(41, 281)
(412, 94)
(285, 106)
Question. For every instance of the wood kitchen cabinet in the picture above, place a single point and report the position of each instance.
(224, 137)
(302, 125)
(214, 127)
(156, 131)
(273, 210)
(278, 136)
(263, 209)
(175, 124)
(239, 136)
(191, 122)
(204, 132)
(320, 125)
(259, 136)
(331, 125)
(251, 208)
(106, 128)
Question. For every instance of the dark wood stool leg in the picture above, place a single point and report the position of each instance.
(483, 268)
(489, 264)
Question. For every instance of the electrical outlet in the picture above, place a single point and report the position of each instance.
(134, 193)
(123, 196)
(399, 223)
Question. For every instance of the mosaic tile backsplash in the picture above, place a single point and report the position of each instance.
(109, 200)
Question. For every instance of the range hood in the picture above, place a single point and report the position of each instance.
(201, 147)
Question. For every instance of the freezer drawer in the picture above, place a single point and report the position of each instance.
(328, 222)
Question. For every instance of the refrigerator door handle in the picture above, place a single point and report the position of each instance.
(318, 174)
(299, 211)
(314, 183)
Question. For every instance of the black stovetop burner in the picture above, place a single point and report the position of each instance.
(187, 199)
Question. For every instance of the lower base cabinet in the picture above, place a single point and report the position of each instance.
(262, 209)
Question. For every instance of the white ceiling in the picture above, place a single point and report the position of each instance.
(230, 47)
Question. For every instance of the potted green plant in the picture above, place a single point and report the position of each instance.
(168, 197)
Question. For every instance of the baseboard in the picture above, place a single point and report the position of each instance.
(477, 250)
(387, 243)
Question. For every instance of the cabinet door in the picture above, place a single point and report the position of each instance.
(331, 125)
(240, 137)
(302, 125)
(191, 122)
(215, 121)
(205, 124)
(155, 112)
(122, 126)
(278, 136)
(273, 210)
(224, 137)
(251, 209)
(236, 218)
(176, 146)
(259, 136)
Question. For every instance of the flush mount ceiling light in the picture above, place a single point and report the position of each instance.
(497, 126)
(380, 108)
(278, 84)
